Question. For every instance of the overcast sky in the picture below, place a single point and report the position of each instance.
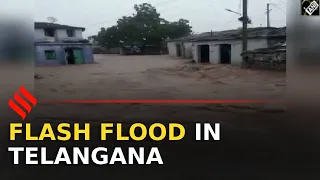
(204, 15)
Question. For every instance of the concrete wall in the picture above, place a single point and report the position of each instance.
(40, 36)
(272, 60)
(88, 54)
(186, 49)
(60, 54)
(194, 51)
(41, 58)
(172, 49)
(60, 34)
(236, 49)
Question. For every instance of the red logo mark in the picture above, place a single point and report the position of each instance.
(22, 102)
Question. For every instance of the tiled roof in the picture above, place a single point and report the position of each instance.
(259, 32)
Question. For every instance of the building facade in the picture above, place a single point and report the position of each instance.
(224, 47)
(57, 44)
(223, 52)
(183, 47)
(180, 49)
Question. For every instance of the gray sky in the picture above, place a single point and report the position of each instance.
(204, 15)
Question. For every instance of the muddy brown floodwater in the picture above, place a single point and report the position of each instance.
(156, 77)
(159, 77)
(249, 130)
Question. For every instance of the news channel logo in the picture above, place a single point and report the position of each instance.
(310, 7)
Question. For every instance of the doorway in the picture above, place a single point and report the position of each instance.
(204, 53)
(69, 56)
(179, 53)
(74, 56)
(225, 53)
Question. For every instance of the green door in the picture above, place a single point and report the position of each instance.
(78, 56)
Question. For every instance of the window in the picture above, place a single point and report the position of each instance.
(50, 55)
(70, 33)
(49, 32)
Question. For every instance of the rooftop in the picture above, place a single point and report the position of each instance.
(259, 32)
(281, 47)
(61, 43)
(42, 25)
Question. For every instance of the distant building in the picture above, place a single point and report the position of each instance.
(141, 49)
(224, 47)
(60, 44)
(101, 50)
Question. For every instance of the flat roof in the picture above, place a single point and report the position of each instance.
(59, 43)
(42, 25)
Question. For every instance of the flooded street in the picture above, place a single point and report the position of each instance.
(156, 77)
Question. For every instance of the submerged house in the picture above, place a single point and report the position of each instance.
(57, 44)
(224, 47)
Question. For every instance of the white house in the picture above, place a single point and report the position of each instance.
(56, 33)
(57, 44)
(224, 47)
(182, 47)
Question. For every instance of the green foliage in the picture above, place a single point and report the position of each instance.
(145, 27)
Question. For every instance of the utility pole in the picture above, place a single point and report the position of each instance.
(268, 15)
(244, 26)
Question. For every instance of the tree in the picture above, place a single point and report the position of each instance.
(145, 27)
